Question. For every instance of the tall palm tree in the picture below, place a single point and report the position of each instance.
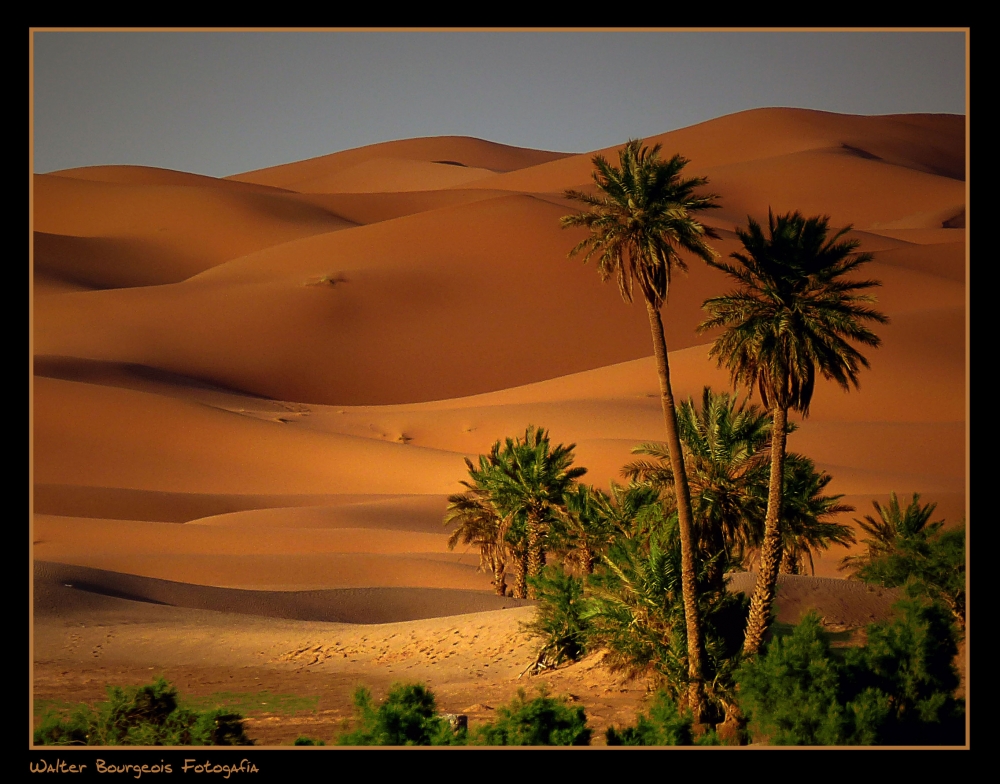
(531, 481)
(793, 314)
(642, 217)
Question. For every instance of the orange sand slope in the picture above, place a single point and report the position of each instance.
(270, 380)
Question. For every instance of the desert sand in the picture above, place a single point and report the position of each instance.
(252, 396)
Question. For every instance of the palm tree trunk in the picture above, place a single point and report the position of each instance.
(520, 573)
(536, 556)
(684, 516)
(500, 578)
(770, 549)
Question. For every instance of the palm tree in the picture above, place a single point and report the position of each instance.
(792, 316)
(892, 526)
(905, 549)
(594, 519)
(530, 483)
(642, 217)
(724, 446)
(480, 523)
(805, 514)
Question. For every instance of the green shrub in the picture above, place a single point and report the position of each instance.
(407, 717)
(558, 621)
(665, 725)
(543, 721)
(897, 689)
(142, 716)
(911, 661)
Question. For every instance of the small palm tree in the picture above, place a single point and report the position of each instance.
(805, 515)
(724, 446)
(530, 483)
(480, 523)
(892, 525)
(793, 315)
(642, 218)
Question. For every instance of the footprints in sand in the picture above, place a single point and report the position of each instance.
(98, 650)
(472, 649)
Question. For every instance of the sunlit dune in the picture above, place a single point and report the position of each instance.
(269, 382)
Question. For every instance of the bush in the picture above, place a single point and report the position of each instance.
(407, 717)
(559, 621)
(305, 740)
(543, 721)
(911, 660)
(142, 716)
(897, 689)
(933, 566)
(665, 725)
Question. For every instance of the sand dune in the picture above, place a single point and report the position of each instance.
(110, 234)
(270, 380)
(457, 151)
(62, 591)
(934, 144)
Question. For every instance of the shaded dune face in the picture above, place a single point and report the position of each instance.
(269, 381)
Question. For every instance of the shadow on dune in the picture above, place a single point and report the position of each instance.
(62, 590)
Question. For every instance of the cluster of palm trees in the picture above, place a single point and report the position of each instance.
(514, 496)
(793, 314)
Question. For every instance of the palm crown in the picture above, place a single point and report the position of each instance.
(640, 218)
(795, 312)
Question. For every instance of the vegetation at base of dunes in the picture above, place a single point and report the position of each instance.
(726, 453)
(142, 716)
(559, 621)
(664, 725)
(514, 494)
(642, 216)
(409, 717)
(897, 689)
(905, 549)
(247, 702)
(636, 614)
(794, 314)
(542, 721)
(305, 740)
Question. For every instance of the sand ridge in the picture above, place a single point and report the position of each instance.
(265, 386)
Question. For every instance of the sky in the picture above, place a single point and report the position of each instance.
(220, 103)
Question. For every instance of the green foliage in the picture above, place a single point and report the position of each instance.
(515, 494)
(636, 612)
(407, 717)
(792, 694)
(727, 459)
(795, 311)
(142, 716)
(559, 618)
(304, 740)
(904, 549)
(641, 216)
(897, 689)
(665, 725)
(911, 660)
(543, 721)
